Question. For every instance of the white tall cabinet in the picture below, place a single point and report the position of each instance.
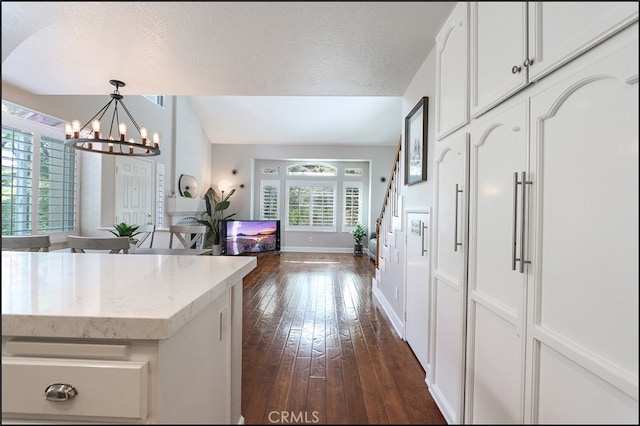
(582, 326)
(546, 296)
(497, 277)
(449, 286)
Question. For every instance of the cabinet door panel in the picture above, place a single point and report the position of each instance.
(452, 87)
(560, 31)
(498, 44)
(584, 302)
(449, 276)
(496, 363)
(495, 343)
(418, 286)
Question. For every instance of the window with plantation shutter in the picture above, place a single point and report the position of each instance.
(270, 199)
(39, 181)
(311, 206)
(352, 205)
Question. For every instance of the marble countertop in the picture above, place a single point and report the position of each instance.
(112, 296)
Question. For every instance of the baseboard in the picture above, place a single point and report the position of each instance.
(291, 249)
(395, 320)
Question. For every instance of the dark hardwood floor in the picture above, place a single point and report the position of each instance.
(317, 350)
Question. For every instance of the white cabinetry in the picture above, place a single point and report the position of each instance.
(515, 43)
(537, 322)
(560, 31)
(449, 284)
(498, 49)
(497, 276)
(452, 72)
(48, 387)
(188, 378)
(582, 305)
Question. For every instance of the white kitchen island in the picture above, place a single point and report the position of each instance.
(111, 338)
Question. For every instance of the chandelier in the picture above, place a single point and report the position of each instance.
(96, 141)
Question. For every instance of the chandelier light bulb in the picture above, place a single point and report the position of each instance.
(96, 128)
(122, 128)
(75, 126)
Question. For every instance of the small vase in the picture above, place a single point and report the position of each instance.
(217, 250)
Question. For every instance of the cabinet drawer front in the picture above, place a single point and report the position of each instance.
(104, 388)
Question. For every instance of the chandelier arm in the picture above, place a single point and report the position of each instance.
(102, 110)
(129, 114)
(114, 118)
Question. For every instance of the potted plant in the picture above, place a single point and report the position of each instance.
(358, 233)
(124, 230)
(213, 217)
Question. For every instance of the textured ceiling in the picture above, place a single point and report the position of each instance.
(318, 68)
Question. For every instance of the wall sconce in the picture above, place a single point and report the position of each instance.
(224, 185)
(188, 186)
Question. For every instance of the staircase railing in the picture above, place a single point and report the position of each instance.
(387, 197)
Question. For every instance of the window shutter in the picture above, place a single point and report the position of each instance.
(38, 180)
(270, 199)
(352, 213)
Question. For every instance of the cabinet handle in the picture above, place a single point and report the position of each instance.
(514, 242)
(59, 392)
(455, 221)
(522, 220)
(516, 69)
(424, 232)
(528, 62)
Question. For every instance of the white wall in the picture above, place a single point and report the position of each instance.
(418, 196)
(192, 147)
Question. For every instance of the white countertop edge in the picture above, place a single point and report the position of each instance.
(88, 327)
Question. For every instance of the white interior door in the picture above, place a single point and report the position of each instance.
(134, 191)
(418, 286)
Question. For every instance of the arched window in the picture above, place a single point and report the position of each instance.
(312, 169)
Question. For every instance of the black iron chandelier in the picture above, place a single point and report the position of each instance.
(95, 141)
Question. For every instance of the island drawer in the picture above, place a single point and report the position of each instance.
(105, 389)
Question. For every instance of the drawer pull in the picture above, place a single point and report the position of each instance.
(59, 392)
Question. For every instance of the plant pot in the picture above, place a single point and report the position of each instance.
(217, 250)
(357, 249)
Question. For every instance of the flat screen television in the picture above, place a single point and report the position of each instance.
(250, 236)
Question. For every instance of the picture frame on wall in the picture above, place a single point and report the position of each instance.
(415, 143)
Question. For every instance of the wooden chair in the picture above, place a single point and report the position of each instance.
(113, 244)
(146, 232)
(26, 243)
(191, 236)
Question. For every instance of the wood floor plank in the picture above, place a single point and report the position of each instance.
(317, 349)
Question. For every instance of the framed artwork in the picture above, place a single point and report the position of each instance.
(415, 143)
